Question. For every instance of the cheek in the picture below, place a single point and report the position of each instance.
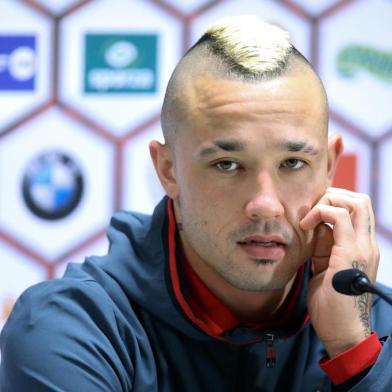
(199, 192)
(307, 192)
(299, 201)
(196, 208)
(208, 210)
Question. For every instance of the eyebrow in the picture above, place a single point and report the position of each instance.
(225, 145)
(298, 146)
(235, 146)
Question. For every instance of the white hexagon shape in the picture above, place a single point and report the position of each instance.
(187, 7)
(57, 6)
(17, 273)
(117, 57)
(25, 55)
(90, 157)
(315, 7)
(142, 189)
(385, 184)
(355, 63)
(384, 274)
(268, 10)
(361, 149)
(98, 247)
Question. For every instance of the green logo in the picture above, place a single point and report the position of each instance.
(355, 58)
(119, 63)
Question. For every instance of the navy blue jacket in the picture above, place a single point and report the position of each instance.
(114, 324)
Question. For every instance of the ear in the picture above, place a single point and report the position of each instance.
(162, 157)
(335, 150)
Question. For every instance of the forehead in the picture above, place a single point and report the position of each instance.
(288, 105)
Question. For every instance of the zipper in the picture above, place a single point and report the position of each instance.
(270, 353)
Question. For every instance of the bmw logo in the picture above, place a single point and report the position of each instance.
(52, 185)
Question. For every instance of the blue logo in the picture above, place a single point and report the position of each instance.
(52, 185)
(17, 62)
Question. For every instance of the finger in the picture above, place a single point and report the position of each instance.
(365, 199)
(322, 249)
(337, 201)
(362, 216)
(343, 230)
(359, 208)
(342, 191)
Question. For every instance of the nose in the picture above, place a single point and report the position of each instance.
(264, 201)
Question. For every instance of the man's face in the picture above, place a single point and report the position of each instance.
(250, 161)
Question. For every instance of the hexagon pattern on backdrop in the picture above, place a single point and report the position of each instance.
(314, 7)
(356, 66)
(187, 7)
(126, 64)
(81, 85)
(53, 132)
(25, 57)
(56, 6)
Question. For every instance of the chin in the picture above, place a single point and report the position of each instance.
(257, 285)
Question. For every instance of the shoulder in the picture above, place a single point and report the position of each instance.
(60, 298)
(63, 324)
(52, 312)
(77, 306)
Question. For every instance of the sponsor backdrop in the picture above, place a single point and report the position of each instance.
(81, 85)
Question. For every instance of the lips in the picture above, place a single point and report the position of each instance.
(263, 247)
(259, 243)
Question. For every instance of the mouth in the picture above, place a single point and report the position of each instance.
(267, 244)
(263, 248)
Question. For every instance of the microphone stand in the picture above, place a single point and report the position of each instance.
(374, 290)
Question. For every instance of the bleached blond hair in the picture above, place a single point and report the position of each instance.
(249, 44)
(241, 48)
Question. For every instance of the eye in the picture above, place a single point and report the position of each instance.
(227, 166)
(293, 163)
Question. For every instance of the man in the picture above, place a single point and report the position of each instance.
(227, 287)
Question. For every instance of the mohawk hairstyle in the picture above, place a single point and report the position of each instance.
(248, 46)
(241, 48)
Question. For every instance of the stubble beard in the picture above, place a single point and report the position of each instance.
(247, 279)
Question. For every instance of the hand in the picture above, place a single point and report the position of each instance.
(344, 229)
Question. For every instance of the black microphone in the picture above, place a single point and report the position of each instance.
(355, 282)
